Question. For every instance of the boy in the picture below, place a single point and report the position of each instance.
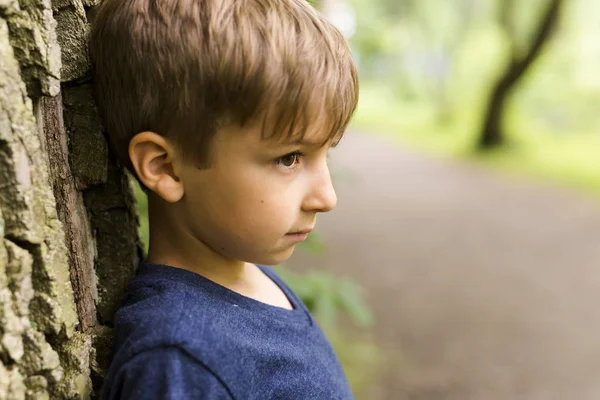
(225, 111)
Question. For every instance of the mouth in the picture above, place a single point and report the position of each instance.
(303, 232)
(298, 236)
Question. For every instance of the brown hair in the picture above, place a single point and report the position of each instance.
(182, 68)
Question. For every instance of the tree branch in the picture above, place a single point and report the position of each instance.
(547, 25)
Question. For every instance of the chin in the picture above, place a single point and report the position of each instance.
(275, 259)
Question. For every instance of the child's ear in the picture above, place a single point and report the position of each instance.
(152, 157)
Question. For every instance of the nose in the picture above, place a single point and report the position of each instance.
(321, 195)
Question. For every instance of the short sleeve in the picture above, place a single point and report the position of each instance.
(165, 373)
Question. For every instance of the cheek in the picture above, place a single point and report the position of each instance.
(264, 215)
(242, 207)
(259, 215)
(254, 200)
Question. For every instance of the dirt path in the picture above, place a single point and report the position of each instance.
(489, 287)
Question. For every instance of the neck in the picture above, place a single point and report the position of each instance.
(173, 244)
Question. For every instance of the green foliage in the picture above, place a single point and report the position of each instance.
(535, 149)
(314, 3)
(142, 207)
(361, 358)
(551, 121)
(327, 296)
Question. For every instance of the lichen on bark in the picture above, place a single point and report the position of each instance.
(68, 226)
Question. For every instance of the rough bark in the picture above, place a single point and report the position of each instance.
(492, 134)
(68, 227)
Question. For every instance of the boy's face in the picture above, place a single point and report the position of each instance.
(256, 195)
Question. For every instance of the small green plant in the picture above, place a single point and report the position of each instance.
(327, 296)
(361, 358)
(142, 207)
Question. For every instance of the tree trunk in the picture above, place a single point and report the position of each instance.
(68, 226)
(492, 134)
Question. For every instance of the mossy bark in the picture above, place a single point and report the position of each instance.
(68, 226)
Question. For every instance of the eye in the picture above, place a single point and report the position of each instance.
(289, 160)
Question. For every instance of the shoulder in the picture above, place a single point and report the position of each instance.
(159, 318)
(167, 309)
(164, 373)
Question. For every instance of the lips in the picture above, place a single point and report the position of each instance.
(304, 231)
(297, 237)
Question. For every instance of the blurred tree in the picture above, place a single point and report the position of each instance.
(417, 44)
(522, 55)
(444, 27)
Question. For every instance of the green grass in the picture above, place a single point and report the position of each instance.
(565, 158)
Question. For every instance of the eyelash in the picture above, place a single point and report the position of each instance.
(297, 154)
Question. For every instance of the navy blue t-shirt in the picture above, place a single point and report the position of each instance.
(179, 336)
